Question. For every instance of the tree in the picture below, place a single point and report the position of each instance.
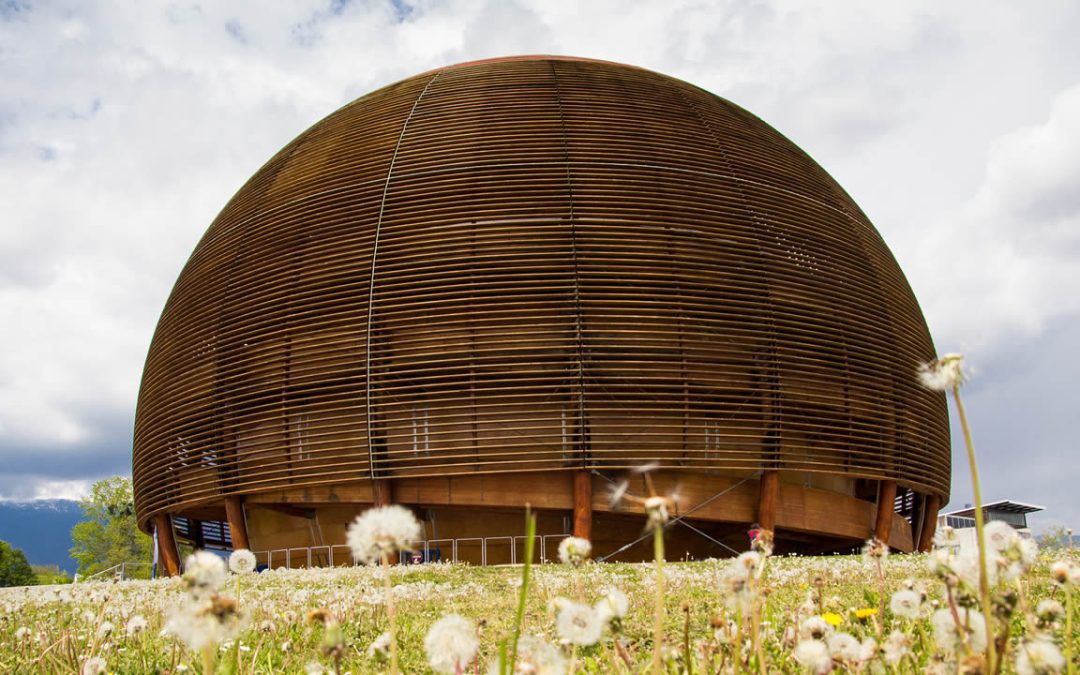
(14, 569)
(109, 535)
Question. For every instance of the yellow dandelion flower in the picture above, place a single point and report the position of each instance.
(832, 619)
(865, 612)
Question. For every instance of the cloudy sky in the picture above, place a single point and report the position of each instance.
(125, 127)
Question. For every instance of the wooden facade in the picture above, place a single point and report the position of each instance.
(536, 266)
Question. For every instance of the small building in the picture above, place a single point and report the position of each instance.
(1005, 510)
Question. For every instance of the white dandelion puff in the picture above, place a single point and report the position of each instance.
(950, 636)
(578, 624)
(906, 604)
(943, 374)
(204, 573)
(814, 656)
(382, 531)
(1039, 657)
(574, 550)
(451, 644)
(242, 561)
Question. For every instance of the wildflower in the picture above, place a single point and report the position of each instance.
(451, 644)
(896, 647)
(944, 374)
(95, 665)
(22, 633)
(206, 622)
(875, 549)
(832, 619)
(946, 536)
(613, 605)
(843, 647)
(379, 649)
(204, 573)
(867, 649)
(105, 629)
(864, 613)
(656, 508)
(906, 604)
(1062, 572)
(747, 564)
(815, 628)
(578, 624)
(1039, 657)
(135, 624)
(314, 668)
(949, 635)
(1049, 610)
(382, 531)
(813, 655)
(267, 626)
(574, 550)
(999, 535)
(242, 561)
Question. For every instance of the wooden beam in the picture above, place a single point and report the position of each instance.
(294, 511)
(234, 513)
(169, 554)
(383, 492)
(768, 491)
(926, 535)
(886, 505)
(583, 504)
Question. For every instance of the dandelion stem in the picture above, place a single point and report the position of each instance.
(1070, 637)
(388, 593)
(519, 617)
(984, 580)
(208, 660)
(658, 614)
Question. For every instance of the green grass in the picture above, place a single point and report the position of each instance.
(55, 629)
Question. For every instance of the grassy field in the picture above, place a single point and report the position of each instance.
(121, 627)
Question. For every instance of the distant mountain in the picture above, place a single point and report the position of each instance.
(42, 529)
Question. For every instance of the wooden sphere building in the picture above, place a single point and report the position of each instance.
(511, 281)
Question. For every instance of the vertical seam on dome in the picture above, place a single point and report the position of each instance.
(583, 427)
(773, 367)
(371, 278)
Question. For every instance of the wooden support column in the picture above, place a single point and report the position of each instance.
(886, 504)
(583, 504)
(926, 536)
(768, 492)
(169, 555)
(383, 491)
(234, 512)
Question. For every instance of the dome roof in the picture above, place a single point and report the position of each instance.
(534, 264)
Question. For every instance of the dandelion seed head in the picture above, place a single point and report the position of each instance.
(875, 549)
(242, 561)
(1049, 610)
(613, 605)
(574, 550)
(136, 624)
(814, 656)
(379, 649)
(656, 508)
(906, 604)
(578, 624)
(382, 531)
(896, 647)
(815, 628)
(950, 636)
(843, 647)
(451, 644)
(95, 665)
(943, 374)
(618, 491)
(204, 573)
(999, 536)
(1039, 656)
